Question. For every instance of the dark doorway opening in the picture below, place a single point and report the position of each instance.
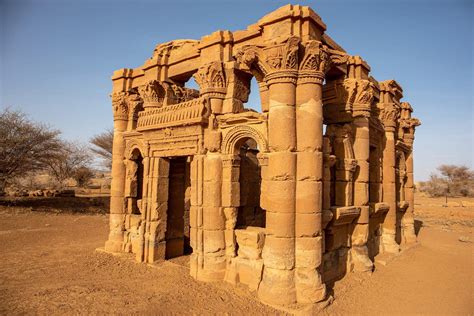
(177, 224)
(250, 213)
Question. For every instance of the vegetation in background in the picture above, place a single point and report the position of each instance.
(102, 146)
(25, 146)
(29, 148)
(450, 181)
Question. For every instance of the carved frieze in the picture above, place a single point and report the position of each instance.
(186, 113)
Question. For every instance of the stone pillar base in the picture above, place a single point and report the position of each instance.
(360, 261)
(388, 244)
(210, 275)
(277, 287)
(113, 246)
(408, 234)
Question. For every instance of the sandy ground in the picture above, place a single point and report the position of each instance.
(49, 266)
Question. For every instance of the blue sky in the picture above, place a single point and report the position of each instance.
(56, 57)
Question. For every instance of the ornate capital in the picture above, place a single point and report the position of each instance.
(152, 93)
(277, 62)
(156, 94)
(389, 114)
(135, 103)
(211, 78)
(120, 106)
(315, 59)
(360, 95)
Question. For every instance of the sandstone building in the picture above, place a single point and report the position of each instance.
(285, 200)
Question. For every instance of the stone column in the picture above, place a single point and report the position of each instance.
(389, 190)
(308, 213)
(360, 235)
(117, 187)
(230, 200)
(155, 229)
(212, 83)
(278, 286)
(213, 221)
(408, 220)
(195, 215)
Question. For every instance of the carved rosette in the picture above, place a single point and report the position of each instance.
(277, 63)
(211, 79)
(120, 106)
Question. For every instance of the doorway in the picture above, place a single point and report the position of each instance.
(177, 224)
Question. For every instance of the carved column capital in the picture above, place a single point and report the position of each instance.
(315, 63)
(389, 115)
(135, 103)
(278, 63)
(153, 94)
(120, 106)
(211, 79)
(360, 96)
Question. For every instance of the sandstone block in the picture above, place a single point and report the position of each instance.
(307, 225)
(281, 128)
(308, 197)
(308, 252)
(280, 196)
(213, 218)
(279, 253)
(309, 287)
(281, 166)
(280, 224)
(309, 166)
(249, 272)
(212, 168)
(214, 241)
(277, 286)
(230, 194)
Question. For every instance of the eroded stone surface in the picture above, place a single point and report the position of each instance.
(286, 200)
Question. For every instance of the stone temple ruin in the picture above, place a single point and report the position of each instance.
(285, 200)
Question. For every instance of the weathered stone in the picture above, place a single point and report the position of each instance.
(195, 170)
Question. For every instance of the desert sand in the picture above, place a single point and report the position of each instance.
(50, 265)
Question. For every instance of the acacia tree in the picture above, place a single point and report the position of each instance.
(68, 161)
(452, 181)
(25, 146)
(83, 175)
(102, 146)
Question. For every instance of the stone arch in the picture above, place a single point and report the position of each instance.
(237, 133)
(130, 149)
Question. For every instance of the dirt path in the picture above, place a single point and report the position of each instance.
(49, 266)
